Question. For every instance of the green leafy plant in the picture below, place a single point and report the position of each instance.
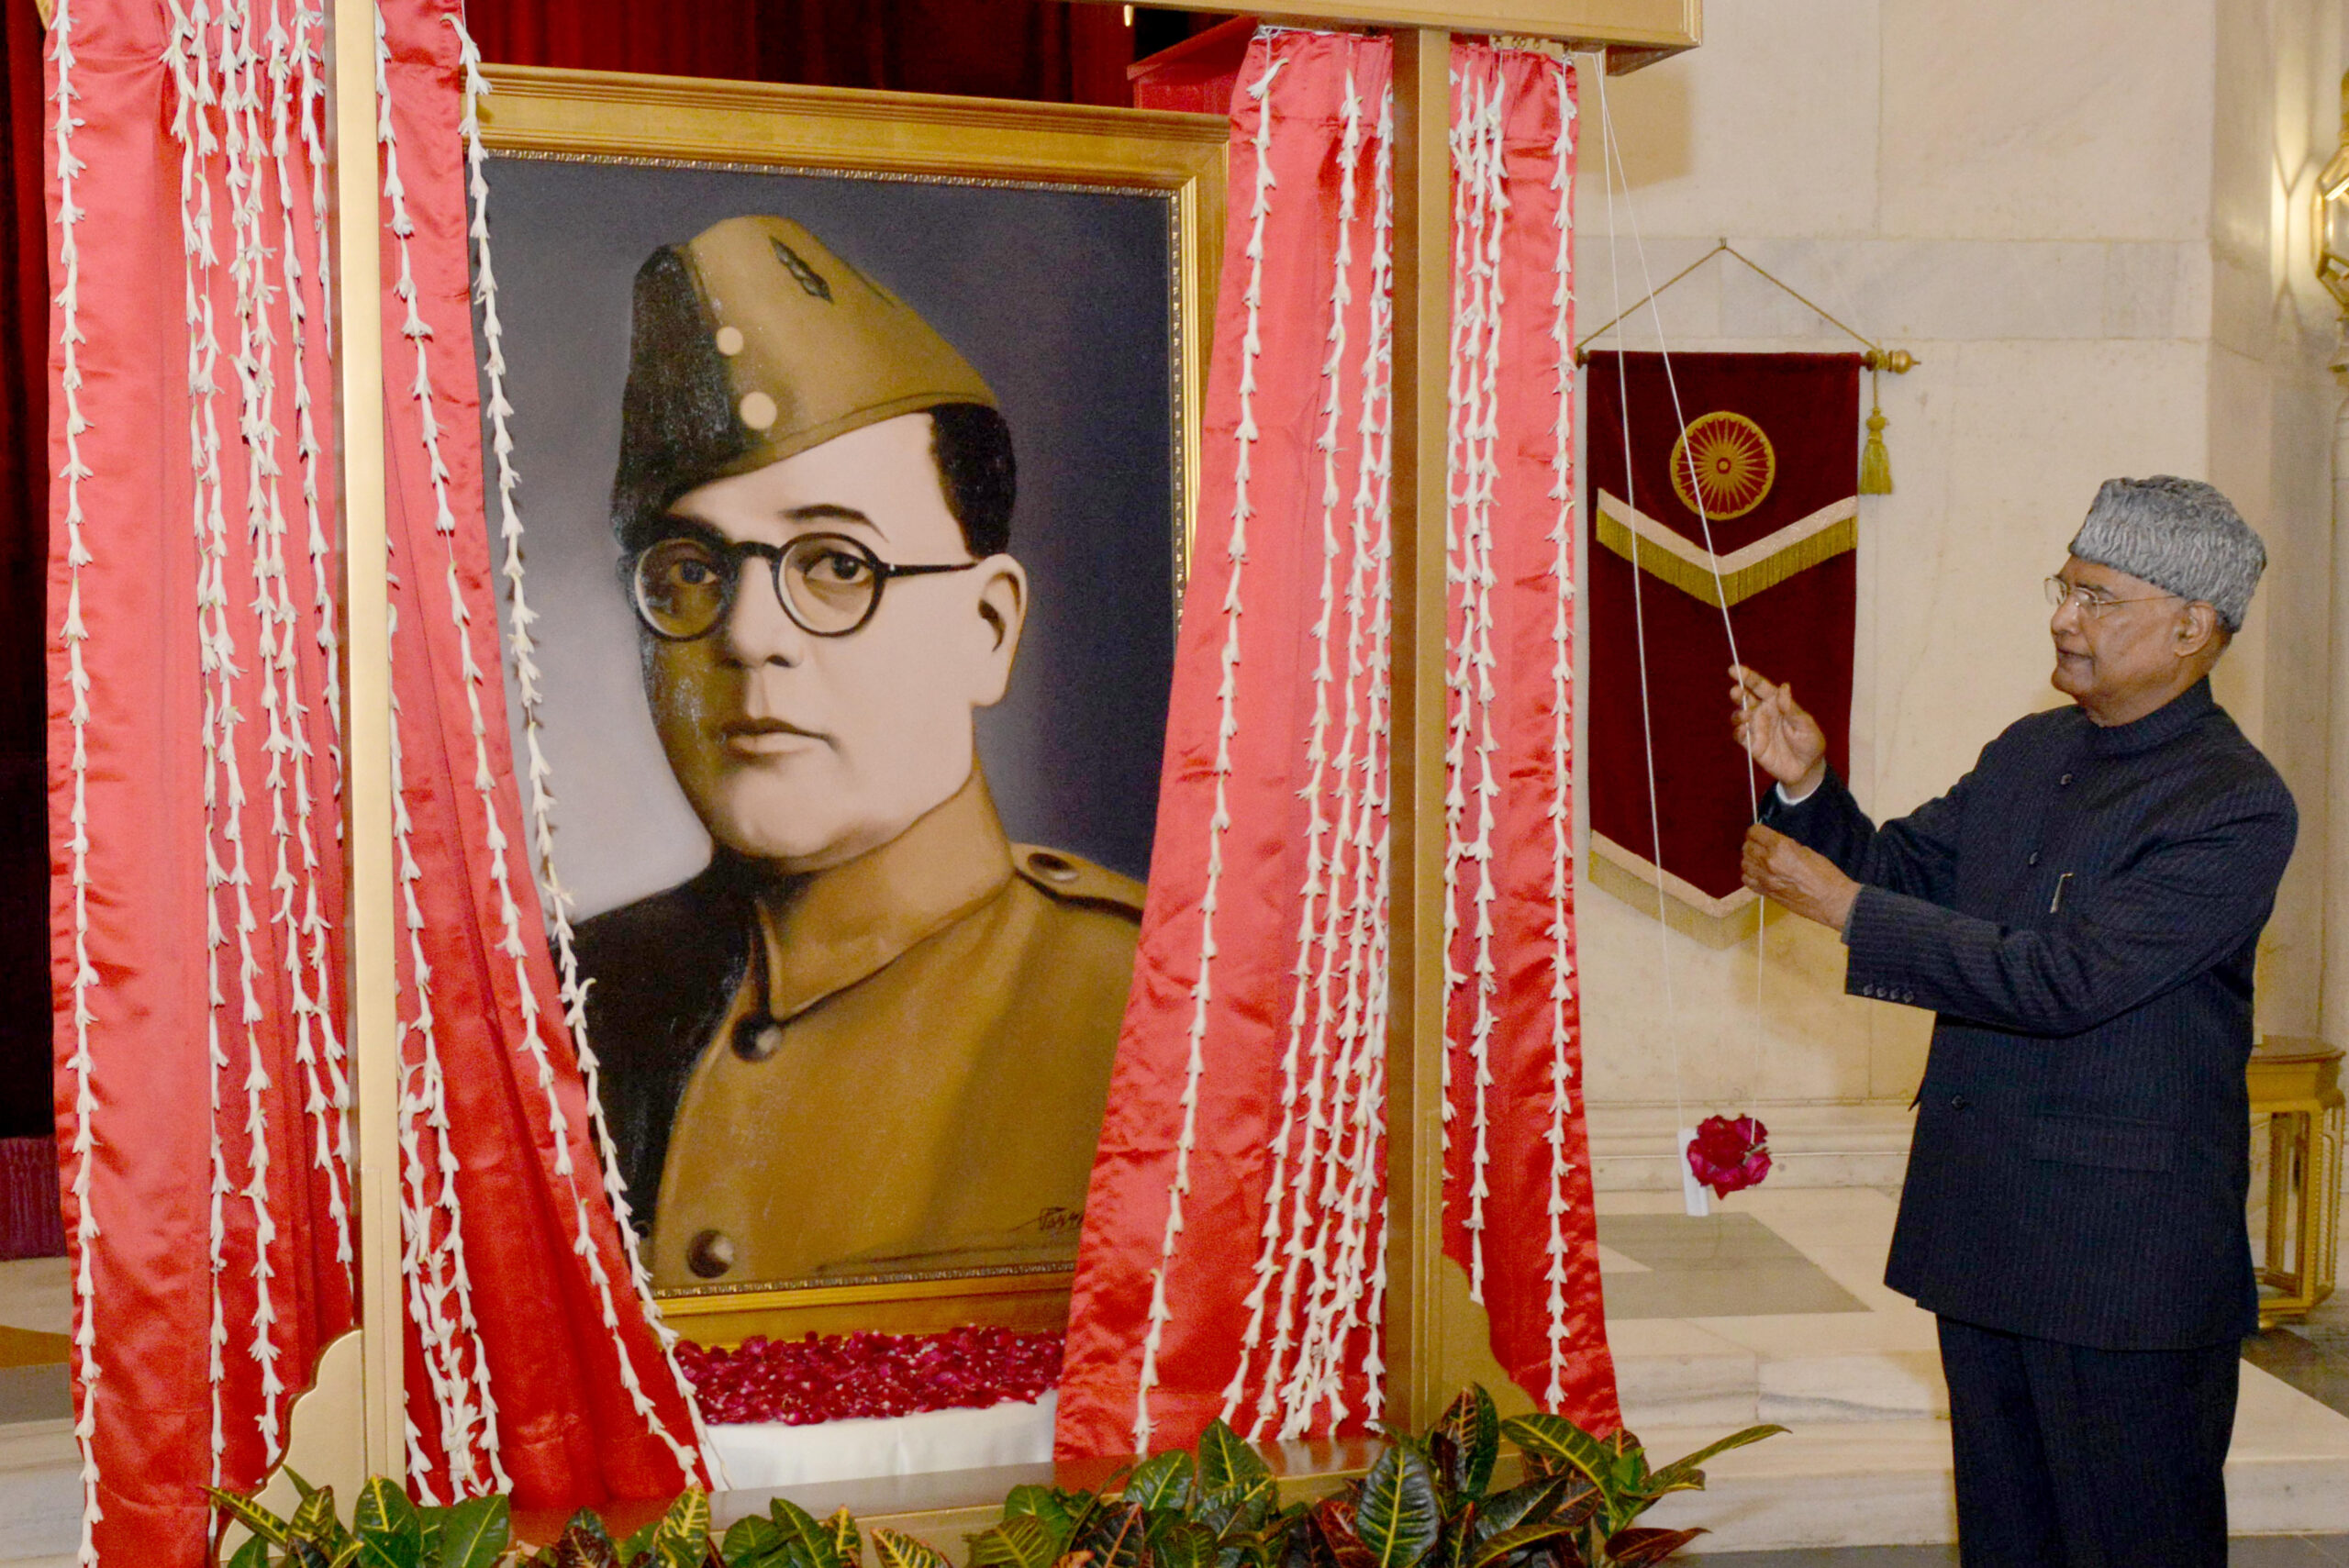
(1426, 1501)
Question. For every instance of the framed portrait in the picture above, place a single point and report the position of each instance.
(856, 438)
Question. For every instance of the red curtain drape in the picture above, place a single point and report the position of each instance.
(1233, 1256)
(196, 807)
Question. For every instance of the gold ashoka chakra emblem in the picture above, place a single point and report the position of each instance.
(1731, 463)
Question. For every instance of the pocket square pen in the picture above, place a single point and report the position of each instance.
(2057, 902)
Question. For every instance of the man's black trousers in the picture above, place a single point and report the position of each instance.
(2069, 1457)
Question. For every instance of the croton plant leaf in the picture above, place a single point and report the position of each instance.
(1466, 1441)
(1637, 1548)
(807, 1541)
(1562, 1446)
(1118, 1536)
(895, 1549)
(584, 1543)
(1496, 1550)
(475, 1532)
(1397, 1515)
(1184, 1544)
(1685, 1474)
(1567, 1497)
(1227, 1464)
(1021, 1540)
(390, 1534)
(1162, 1481)
(1333, 1519)
(248, 1512)
(1047, 1507)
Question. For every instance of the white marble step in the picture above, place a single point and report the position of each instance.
(1634, 1148)
(1724, 1387)
(40, 1491)
(1888, 1481)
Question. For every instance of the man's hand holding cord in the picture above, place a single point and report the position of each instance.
(1786, 743)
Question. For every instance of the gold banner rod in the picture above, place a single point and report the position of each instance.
(367, 645)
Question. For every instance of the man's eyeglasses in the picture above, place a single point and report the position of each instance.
(2092, 603)
(827, 584)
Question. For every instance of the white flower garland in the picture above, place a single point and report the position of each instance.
(1303, 1243)
(1561, 538)
(1202, 990)
(1486, 473)
(1319, 1220)
(245, 151)
(190, 127)
(1348, 1179)
(465, 1402)
(1370, 1238)
(1472, 465)
(73, 633)
(555, 897)
(431, 1228)
(318, 1044)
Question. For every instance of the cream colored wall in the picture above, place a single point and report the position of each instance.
(2075, 215)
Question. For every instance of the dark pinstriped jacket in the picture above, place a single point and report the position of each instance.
(2081, 913)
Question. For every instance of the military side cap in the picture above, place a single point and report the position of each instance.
(753, 343)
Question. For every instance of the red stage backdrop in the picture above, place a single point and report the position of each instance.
(196, 810)
(1769, 529)
(1233, 1261)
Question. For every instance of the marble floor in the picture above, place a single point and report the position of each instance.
(2246, 1552)
(1819, 1344)
(40, 1501)
(1771, 1309)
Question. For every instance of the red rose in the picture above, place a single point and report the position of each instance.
(1730, 1154)
(835, 1375)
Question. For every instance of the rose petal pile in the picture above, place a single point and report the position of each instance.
(1730, 1154)
(832, 1377)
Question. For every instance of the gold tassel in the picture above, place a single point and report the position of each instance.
(1876, 463)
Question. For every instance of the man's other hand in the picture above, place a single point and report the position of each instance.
(1782, 739)
(1801, 880)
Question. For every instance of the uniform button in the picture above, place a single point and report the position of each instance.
(757, 1038)
(2064, 780)
(2033, 859)
(1957, 1103)
(1052, 867)
(710, 1254)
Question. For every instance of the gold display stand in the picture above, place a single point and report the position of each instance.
(1433, 1333)
(2296, 1088)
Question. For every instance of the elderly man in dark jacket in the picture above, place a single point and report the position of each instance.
(2081, 913)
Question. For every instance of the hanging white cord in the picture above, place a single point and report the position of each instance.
(1608, 175)
(1697, 499)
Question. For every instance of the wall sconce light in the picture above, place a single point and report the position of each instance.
(2331, 228)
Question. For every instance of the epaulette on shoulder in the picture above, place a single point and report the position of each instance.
(1073, 878)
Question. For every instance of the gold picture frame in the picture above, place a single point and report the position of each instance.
(539, 114)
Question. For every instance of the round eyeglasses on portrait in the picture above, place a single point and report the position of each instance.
(828, 584)
(2091, 603)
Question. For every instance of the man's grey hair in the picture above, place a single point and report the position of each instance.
(2179, 534)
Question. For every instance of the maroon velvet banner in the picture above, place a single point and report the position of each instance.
(1768, 524)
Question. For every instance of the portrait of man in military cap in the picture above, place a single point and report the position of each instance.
(873, 1035)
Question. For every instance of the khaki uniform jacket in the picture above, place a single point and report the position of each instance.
(897, 1064)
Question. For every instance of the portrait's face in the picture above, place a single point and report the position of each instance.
(2128, 645)
(807, 751)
